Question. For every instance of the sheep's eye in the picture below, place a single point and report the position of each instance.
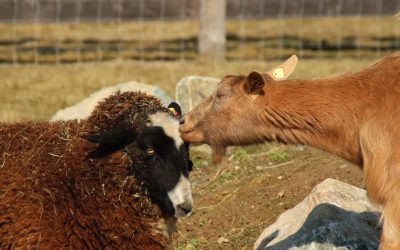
(150, 151)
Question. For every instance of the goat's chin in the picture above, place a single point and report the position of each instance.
(194, 136)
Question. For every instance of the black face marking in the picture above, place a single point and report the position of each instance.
(190, 165)
(161, 167)
(184, 149)
(165, 166)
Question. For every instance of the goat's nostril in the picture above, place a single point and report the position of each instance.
(186, 208)
(182, 121)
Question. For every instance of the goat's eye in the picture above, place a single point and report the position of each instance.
(220, 95)
(150, 151)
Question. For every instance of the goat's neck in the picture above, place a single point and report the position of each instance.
(311, 113)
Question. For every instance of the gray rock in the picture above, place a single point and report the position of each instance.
(335, 215)
(192, 90)
(85, 107)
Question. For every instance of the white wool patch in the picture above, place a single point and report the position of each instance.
(181, 194)
(170, 126)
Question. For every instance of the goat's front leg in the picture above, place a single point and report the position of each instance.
(390, 238)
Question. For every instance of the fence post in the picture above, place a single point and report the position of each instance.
(212, 29)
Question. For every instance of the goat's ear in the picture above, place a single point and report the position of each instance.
(118, 136)
(254, 83)
(284, 70)
(175, 109)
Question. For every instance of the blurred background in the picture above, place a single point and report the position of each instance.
(53, 53)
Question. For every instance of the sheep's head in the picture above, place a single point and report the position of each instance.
(159, 159)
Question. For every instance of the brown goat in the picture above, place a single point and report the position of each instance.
(355, 116)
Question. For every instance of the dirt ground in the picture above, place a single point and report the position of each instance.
(262, 182)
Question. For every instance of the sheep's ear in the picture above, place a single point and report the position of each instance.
(254, 83)
(175, 109)
(284, 70)
(120, 135)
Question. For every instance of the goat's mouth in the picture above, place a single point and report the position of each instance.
(193, 136)
(186, 128)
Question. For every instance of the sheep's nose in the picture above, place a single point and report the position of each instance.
(185, 207)
(182, 121)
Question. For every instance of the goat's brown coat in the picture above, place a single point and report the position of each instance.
(356, 116)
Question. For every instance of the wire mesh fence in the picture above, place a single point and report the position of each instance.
(74, 31)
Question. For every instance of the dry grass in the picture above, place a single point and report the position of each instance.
(36, 92)
(254, 39)
(329, 28)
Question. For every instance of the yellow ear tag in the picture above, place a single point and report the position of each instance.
(172, 110)
(278, 73)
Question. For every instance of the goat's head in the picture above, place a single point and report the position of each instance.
(229, 115)
(159, 157)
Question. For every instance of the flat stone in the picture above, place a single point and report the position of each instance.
(85, 107)
(192, 90)
(335, 215)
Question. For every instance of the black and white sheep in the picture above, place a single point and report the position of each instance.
(60, 190)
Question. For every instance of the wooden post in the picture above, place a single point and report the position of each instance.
(212, 29)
